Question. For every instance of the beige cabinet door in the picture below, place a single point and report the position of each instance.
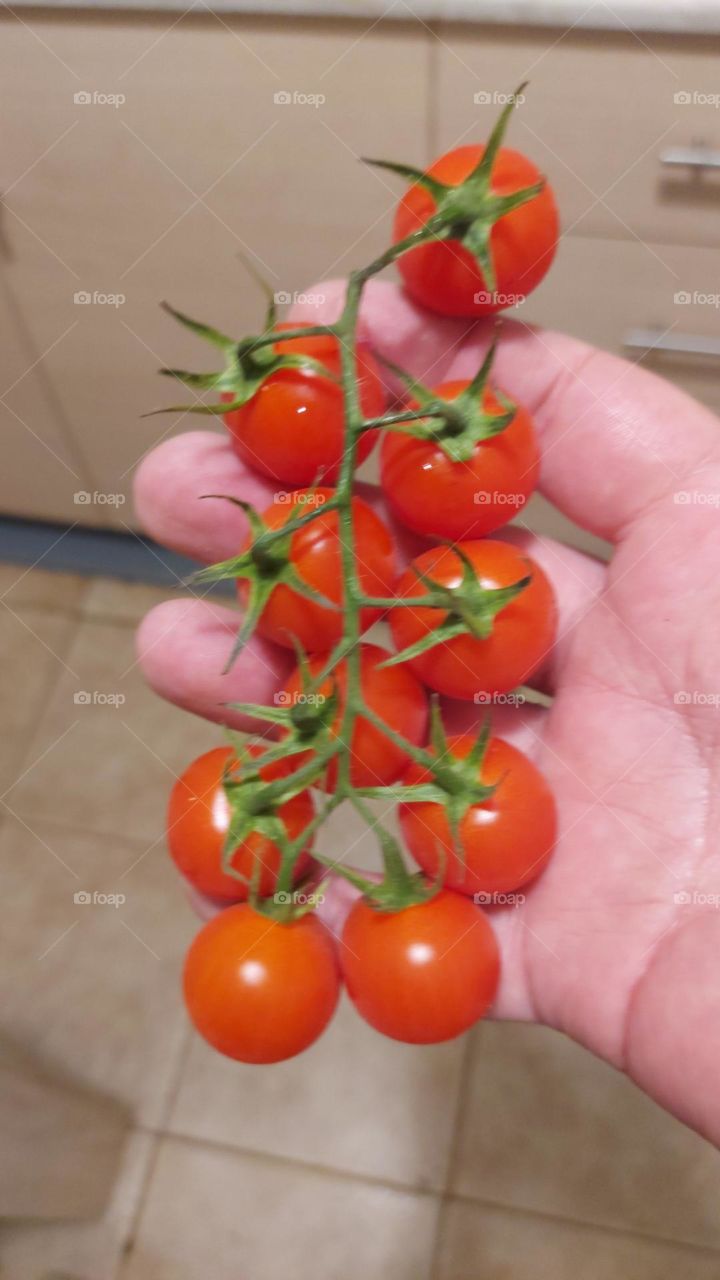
(619, 121)
(43, 474)
(147, 153)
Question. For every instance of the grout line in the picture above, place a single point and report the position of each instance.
(453, 1152)
(309, 1166)
(444, 1198)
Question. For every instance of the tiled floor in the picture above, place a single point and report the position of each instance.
(511, 1155)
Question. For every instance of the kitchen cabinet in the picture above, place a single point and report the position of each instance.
(146, 155)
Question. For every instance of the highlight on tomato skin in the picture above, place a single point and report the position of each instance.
(506, 841)
(433, 495)
(197, 824)
(443, 275)
(315, 553)
(292, 429)
(424, 974)
(522, 635)
(258, 990)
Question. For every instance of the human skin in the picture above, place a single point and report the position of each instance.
(606, 947)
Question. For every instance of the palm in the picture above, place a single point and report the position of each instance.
(601, 947)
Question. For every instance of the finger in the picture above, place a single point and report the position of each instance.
(170, 487)
(183, 646)
(614, 437)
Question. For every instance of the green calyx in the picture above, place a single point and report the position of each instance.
(471, 609)
(264, 565)
(456, 426)
(248, 363)
(304, 723)
(468, 212)
(455, 781)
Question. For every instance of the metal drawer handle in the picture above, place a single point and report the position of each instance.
(694, 157)
(693, 344)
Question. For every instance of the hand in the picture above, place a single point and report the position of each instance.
(616, 944)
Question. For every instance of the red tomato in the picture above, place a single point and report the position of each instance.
(522, 633)
(424, 974)
(444, 275)
(316, 556)
(433, 495)
(506, 841)
(293, 427)
(197, 823)
(375, 760)
(258, 990)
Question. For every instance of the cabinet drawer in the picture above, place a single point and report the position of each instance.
(617, 294)
(603, 115)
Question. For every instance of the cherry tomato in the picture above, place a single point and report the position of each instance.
(522, 632)
(506, 841)
(433, 495)
(197, 823)
(423, 974)
(293, 427)
(316, 556)
(258, 990)
(444, 275)
(401, 702)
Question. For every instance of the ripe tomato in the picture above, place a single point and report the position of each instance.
(197, 823)
(424, 974)
(444, 275)
(506, 840)
(293, 427)
(433, 495)
(522, 632)
(401, 702)
(258, 990)
(315, 553)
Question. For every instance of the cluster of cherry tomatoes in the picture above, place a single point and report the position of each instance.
(263, 977)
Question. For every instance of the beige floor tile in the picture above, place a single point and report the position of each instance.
(548, 1127)
(103, 765)
(34, 650)
(40, 588)
(80, 1250)
(110, 600)
(354, 1101)
(487, 1244)
(94, 988)
(211, 1212)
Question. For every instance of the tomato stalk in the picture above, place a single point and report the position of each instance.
(314, 728)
